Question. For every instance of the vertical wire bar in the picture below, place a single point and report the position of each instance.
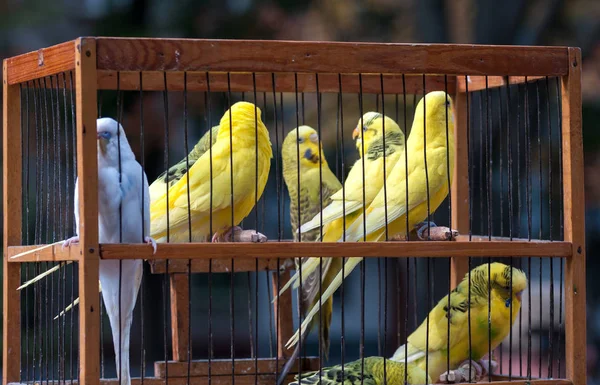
(406, 311)
(37, 231)
(449, 216)
(119, 119)
(471, 173)
(529, 218)
(61, 230)
(25, 151)
(539, 142)
(321, 223)
(189, 264)
(48, 308)
(561, 213)
(231, 282)
(429, 290)
(166, 275)
(342, 310)
(488, 154)
(68, 229)
(300, 302)
(207, 108)
(386, 238)
(551, 328)
(362, 263)
(510, 212)
(278, 185)
(143, 164)
(518, 216)
(256, 223)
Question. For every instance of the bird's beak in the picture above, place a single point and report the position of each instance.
(308, 154)
(518, 295)
(102, 142)
(355, 133)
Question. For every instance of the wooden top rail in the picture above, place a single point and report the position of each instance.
(40, 63)
(200, 55)
(285, 249)
(144, 54)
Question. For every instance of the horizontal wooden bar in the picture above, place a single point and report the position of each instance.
(284, 82)
(158, 266)
(268, 252)
(265, 379)
(271, 250)
(54, 253)
(43, 62)
(477, 83)
(144, 54)
(222, 367)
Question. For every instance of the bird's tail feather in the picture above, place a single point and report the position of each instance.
(290, 363)
(335, 284)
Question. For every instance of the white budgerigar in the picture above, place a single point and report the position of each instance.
(123, 217)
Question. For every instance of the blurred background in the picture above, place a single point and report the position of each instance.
(30, 25)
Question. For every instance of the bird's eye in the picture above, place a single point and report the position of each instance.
(507, 287)
(447, 102)
(365, 128)
(105, 134)
(300, 140)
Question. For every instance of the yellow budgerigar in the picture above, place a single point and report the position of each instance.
(349, 201)
(210, 190)
(506, 286)
(432, 133)
(371, 371)
(310, 184)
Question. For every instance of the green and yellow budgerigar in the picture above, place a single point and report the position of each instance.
(310, 184)
(176, 172)
(507, 284)
(372, 373)
(349, 201)
(208, 188)
(433, 133)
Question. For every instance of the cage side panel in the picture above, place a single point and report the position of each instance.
(123, 54)
(87, 171)
(41, 63)
(460, 187)
(574, 208)
(11, 358)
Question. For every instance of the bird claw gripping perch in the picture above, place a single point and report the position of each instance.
(435, 233)
(71, 241)
(469, 370)
(151, 241)
(236, 234)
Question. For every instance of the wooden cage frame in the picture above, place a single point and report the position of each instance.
(96, 61)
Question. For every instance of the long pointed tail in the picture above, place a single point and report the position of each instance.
(290, 363)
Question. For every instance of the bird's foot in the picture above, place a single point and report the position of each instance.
(429, 231)
(70, 241)
(151, 241)
(469, 371)
(287, 264)
(236, 234)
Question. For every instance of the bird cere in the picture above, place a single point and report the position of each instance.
(410, 229)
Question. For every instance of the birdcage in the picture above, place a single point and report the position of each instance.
(514, 193)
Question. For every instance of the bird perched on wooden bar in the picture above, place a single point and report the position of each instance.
(239, 160)
(500, 296)
(372, 372)
(310, 184)
(123, 217)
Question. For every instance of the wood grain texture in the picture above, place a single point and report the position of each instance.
(282, 313)
(12, 182)
(87, 172)
(460, 185)
(266, 379)
(270, 250)
(54, 253)
(40, 63)
(284, 82)
(574, 221)
(477, 83)
(222, 367)
(180, 312)
(142, 54)
(218, 265)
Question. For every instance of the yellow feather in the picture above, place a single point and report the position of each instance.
(215, 194)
